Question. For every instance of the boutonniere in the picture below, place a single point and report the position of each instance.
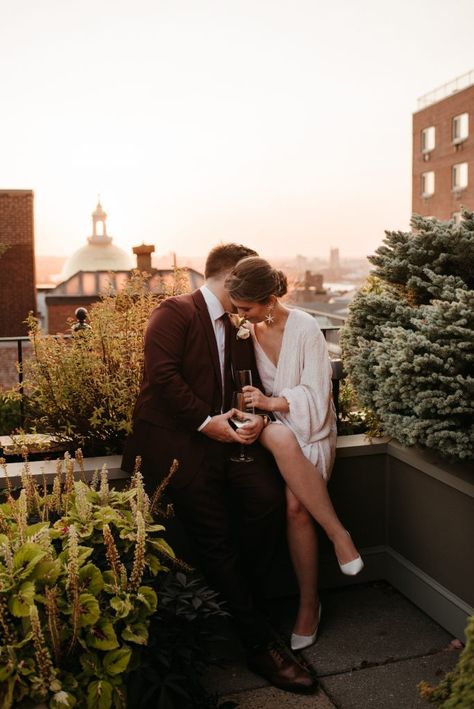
(241, 325)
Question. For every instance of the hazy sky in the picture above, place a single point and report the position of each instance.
(285, 124)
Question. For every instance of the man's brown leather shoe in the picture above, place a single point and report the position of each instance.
(280, 669)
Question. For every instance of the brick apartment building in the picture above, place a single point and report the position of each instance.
(443, 150)
(17, 263)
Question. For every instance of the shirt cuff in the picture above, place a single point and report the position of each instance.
(204, 423)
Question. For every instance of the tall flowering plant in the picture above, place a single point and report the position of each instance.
(77, 566)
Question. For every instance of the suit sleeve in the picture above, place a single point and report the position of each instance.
(165, 342)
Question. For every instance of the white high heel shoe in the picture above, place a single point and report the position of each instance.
(299, 642)
(351, 568)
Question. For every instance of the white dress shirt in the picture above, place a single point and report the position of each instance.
(216, 311)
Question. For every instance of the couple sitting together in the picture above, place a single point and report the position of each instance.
(232, 511)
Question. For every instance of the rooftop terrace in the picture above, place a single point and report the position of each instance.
(374, 647)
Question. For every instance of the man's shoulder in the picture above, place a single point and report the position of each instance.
(184, 302)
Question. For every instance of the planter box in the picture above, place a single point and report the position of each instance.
(410, 513)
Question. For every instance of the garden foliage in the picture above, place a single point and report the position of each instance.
(78, 567)
(82, 389)
(456, 690)
(408, 344)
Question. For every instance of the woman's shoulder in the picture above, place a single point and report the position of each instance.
(304, 321)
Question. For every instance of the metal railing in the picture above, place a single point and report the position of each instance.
(442, 92)
(20, 342)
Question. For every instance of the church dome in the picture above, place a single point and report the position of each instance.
(99, 254)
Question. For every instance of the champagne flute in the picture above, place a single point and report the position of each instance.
(244, 378)
(238, 402)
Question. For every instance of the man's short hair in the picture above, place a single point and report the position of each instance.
(224, 257)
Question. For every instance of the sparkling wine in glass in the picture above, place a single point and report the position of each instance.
(238, 402)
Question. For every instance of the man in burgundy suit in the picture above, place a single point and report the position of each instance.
(234, 513)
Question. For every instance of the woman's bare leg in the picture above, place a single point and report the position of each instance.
(303, 546)
(308, 486)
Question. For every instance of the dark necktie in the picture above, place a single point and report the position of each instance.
(228, 383)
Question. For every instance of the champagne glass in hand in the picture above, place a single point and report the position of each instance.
(244, 378)
(238, 402)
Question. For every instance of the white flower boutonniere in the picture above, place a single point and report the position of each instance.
(242, 326)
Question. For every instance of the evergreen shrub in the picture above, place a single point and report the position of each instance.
(408, 344)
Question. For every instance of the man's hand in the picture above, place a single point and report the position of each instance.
(251, 431)
(254, 397)
(219, 428)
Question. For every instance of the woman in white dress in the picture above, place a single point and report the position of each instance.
(295, 370)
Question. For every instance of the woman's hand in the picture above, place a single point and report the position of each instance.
(254, 397)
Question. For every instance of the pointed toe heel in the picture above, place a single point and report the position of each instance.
(299, 642)
(352, 568)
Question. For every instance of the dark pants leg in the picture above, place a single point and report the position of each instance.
(234, 517)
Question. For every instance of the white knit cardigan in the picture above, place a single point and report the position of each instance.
(303, 377)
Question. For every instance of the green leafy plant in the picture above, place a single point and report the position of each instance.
(10, 418)
(181, 631)
(353, 418)
(82, 389)
(78, 570)
(456, 690)
(408, 344)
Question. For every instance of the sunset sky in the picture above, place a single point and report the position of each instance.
(285, 124)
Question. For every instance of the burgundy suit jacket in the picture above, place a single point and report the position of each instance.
(182, 386)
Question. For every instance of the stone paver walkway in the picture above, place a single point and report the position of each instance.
(374, 647)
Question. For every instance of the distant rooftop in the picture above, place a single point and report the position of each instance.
(442, 92)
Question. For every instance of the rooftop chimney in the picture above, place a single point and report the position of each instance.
(143, 254)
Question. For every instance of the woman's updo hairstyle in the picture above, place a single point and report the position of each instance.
(254, 280)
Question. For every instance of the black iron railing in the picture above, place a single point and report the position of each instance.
(19, 343)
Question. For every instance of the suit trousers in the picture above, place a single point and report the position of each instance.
(234, 516)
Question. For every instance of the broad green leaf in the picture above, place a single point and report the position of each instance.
(136, 633)
(148, 597)
(155, 528)
(154, 564)
(19, 604)
(90, 579)
(122, 606)
(89, 609)
(116, 661)
(46, 572)
(26, 558)
(83, 554)
(161, 545)
(102, 636)
(99, 694)
(35, 528)
(90, 662)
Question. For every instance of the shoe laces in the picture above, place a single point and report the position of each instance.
(275, 652)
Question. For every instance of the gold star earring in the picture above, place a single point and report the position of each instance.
(269, 317)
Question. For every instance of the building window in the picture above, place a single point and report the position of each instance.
(427, 139)
(456, 217)
(427, 184)
(460, 127)
(459, 176)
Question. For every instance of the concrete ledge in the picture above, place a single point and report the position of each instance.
(457, 475)
(47, 468)
(359, 444)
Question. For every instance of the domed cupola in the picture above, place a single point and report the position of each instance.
(99, 254)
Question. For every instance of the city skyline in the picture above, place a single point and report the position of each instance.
(285, 126)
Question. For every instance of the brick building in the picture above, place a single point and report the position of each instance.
(443, 150)
(17, 262)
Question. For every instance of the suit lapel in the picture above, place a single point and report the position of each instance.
(208, 329)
